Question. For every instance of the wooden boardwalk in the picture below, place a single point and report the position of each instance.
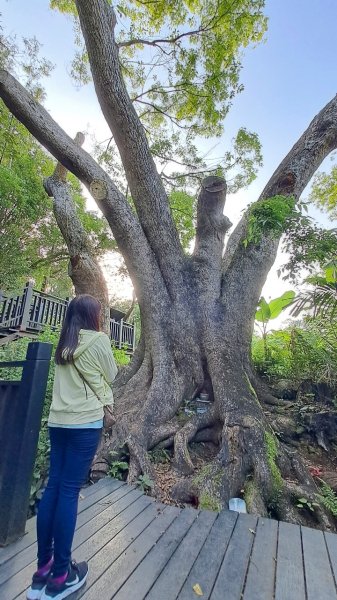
(140, 549)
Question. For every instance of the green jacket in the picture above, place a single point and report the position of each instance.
(74, 402)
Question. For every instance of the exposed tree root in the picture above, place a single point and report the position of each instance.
(182, 459)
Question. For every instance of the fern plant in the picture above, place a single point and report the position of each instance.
(117, 468)
(328, 498)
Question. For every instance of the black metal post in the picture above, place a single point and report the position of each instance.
(21, 405)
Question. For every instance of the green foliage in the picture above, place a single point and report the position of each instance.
(308, 246)
(183, 207)
(328, 498)
(241, 163)
(209, 502)
(278, 362)
(144, 483)
(270, 216)
(32, 245)
(305, 503)
(272, 452)
(120, 356)
(273, 309)
(321, 297)
(193, 63)
(324, 192)
(159, 456)
(267, 312)
(306, 351)
(182, 80)
(117, 468)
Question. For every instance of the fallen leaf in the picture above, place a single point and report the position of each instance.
(197, 590)
(252, 531)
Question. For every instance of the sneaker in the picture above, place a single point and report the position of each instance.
(76, 578)
(39, 582)
(37, 587)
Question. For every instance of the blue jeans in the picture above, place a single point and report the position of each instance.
(71, 455)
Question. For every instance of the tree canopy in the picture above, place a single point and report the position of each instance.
(181, 63)
(324, 192)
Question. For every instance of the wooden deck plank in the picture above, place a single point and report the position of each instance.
(318, 574)
(17, 585)
(231, 578)
(290, 583)
(101, 556)
(206, 567)
(172, 579)
(122, 566)
(101, 504)
(260, 580)
(331, 542)
(142, 579)
(30, 537)
(121, 499)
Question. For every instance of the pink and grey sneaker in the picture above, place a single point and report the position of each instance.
(59, 588)
(39, 582)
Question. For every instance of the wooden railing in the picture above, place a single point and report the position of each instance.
(32, 311)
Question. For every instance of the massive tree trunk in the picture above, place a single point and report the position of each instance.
(197, 312)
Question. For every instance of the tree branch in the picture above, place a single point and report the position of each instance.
(124, 225)
(290, 179)
(98, 20)
(157, 42)
(160, 111)
(84, 269)
(212, 23)
(211, 228)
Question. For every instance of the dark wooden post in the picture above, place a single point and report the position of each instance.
(134, 337)
(27, 295)
(120, 340)
(21, 405)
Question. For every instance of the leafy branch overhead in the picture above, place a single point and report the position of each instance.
(182, 84)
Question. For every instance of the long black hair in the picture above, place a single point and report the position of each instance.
(83, 312)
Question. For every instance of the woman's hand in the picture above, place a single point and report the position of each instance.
(109, 419)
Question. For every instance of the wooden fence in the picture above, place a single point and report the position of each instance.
(32, 311)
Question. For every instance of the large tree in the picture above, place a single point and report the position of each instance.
(197, 311)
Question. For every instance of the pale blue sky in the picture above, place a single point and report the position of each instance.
(287, 80)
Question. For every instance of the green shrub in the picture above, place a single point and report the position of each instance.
(328, 498)
(117, 468)
(301, 352)
(144, 483)
(271, 215)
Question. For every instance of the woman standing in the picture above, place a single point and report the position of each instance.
(82, 397)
